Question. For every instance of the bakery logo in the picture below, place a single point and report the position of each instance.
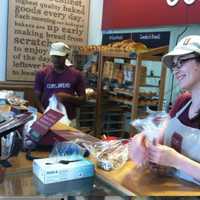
(187, 41)
(174, 2)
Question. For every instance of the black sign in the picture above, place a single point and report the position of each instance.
(150, 39)
(111, 38)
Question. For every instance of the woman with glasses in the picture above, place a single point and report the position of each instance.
(178, 146)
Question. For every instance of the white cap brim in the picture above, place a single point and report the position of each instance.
(57, 53)
(168, 58)
(59, 49)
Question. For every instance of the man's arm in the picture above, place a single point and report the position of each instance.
(38, 103)
(75, 99)
(38, 88)
(65, 97)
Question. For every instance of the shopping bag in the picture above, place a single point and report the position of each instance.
(56, 105)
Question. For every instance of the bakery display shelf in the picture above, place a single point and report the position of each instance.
(130, 98)
(123, 92)
(87, 112)
(87, 120)
(111, 98)
(129, 102)
(149, 76)
(126, 94)
(149, 85)
(148, 103)
(86, 53)
(114, 122)
(117, 54)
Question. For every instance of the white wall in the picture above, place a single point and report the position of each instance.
(96, 12)
(3, 37)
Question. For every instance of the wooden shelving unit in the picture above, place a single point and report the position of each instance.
(134, 95)
(150, 55)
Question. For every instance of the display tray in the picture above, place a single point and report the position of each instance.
(26, 184)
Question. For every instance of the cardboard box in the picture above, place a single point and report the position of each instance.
(52, 170)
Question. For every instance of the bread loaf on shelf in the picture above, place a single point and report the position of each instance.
(121, 46)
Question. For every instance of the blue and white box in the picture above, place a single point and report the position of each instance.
(58, 169)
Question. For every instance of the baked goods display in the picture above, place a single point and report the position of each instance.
(125, 96)
(90, 93)
(124, 79)
(121, 46)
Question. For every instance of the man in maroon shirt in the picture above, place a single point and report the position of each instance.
(60, 78)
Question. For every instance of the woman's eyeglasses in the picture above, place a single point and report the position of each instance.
(180, 62)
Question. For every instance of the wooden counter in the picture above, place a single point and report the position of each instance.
(136, 180)
(143, 182)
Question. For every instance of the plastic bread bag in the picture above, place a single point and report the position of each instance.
(110, 155)
(54, 104)
(149, 129)
(28, 143)
(6, 143)
(68, 150)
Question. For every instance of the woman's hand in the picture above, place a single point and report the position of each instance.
(137, 149)
(162, 155)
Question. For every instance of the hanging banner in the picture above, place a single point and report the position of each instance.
(34, 24)
(125, 14)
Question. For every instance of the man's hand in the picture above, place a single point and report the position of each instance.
(69, 98)
(62, 96)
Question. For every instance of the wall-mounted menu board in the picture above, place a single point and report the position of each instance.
(34, 24)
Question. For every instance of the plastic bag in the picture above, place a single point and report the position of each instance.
(6, 143)
(11, 145)
(149, 129)
(28, 142)
(151, 125)
(69, 151)
(110, 155)
(54, 104)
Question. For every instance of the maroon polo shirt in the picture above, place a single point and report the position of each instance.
(48, 82)
(184, 117)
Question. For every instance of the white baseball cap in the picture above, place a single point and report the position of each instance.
(187, 45)
(59, 49)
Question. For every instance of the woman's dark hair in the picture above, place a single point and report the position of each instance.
(197, 57)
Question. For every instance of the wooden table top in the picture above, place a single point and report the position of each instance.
(141, 181)
(138, 181)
